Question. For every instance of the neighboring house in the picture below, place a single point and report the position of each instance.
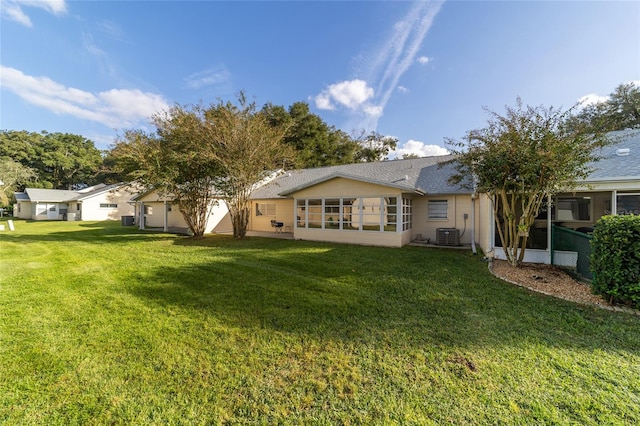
(612, 188)
(159, 212)
(100, 202)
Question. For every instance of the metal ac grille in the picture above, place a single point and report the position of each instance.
(448, 237)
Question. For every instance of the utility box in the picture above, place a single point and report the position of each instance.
(71, 217)
(127, 220)
(447, 237)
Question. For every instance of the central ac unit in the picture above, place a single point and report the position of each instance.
(447, 237)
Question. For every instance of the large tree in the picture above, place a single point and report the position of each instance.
(174, 161)
(621, 110)
(519, 160)
(374, 146)
(12, 176)
(315, 143)
(248, 147)
(61, 160)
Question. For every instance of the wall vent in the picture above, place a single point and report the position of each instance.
(447, 237)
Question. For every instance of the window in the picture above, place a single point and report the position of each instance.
(148, 210)
(315, 214)
(108, 206)
(628, 204)
(407, 204)
(573, 209)
(350, 214)
(332, 213)
(265, 209)
(438, 209)
(301, 213)
(377, 214)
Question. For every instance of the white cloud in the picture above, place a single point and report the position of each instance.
(12, 9)
(392, 60)
(418, 148)
(592, 99)
(115, 108)
(14, 13)
(351, 94)
(423, 60)
(403, 89)
(211, 77)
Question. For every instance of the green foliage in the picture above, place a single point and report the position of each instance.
(315, 143)
(175, 162)
(521, 158)
(64, 160)
(13, 176)
(615, 259)
(248, 147)
(374, 147)
(620, 111)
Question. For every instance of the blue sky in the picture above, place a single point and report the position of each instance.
(418, 71)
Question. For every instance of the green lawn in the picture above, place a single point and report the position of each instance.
(103, 324)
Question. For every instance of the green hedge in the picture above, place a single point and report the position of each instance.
(615, 259)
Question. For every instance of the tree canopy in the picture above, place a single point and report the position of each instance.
(12, 176)
(248, 146)
(521, 158)
(60, 160)
(621, 110)
(174, 161)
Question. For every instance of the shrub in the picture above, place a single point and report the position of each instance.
(615, 259)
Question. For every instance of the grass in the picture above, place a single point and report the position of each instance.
(103, 324)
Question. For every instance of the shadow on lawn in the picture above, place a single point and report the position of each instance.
(339, 293)
(106, 232)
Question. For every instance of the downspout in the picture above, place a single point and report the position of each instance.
(141, 213)
(549, 231)
(165, 220)
(473, 223)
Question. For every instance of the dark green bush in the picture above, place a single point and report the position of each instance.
(615, 259)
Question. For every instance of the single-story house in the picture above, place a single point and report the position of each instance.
(392, 203)
(612, 188)
(388, 203)
(99, 202)
(153, 210)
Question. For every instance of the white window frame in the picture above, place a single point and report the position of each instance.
(266, 209)
(437, 214)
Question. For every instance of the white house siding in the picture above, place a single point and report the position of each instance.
(91, 210)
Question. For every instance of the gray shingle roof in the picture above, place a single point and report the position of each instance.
(61, 195)
(412, 175)
(613, 166)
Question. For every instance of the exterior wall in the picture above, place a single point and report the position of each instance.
(457, 207)
(158, 207)
(371, 238)
(341, 187)
(91, 210)
(22, 210)
(284, 212)
(48, 211)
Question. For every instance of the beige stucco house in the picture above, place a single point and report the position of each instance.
(99, 202)
(394, 203)
(388, 203)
